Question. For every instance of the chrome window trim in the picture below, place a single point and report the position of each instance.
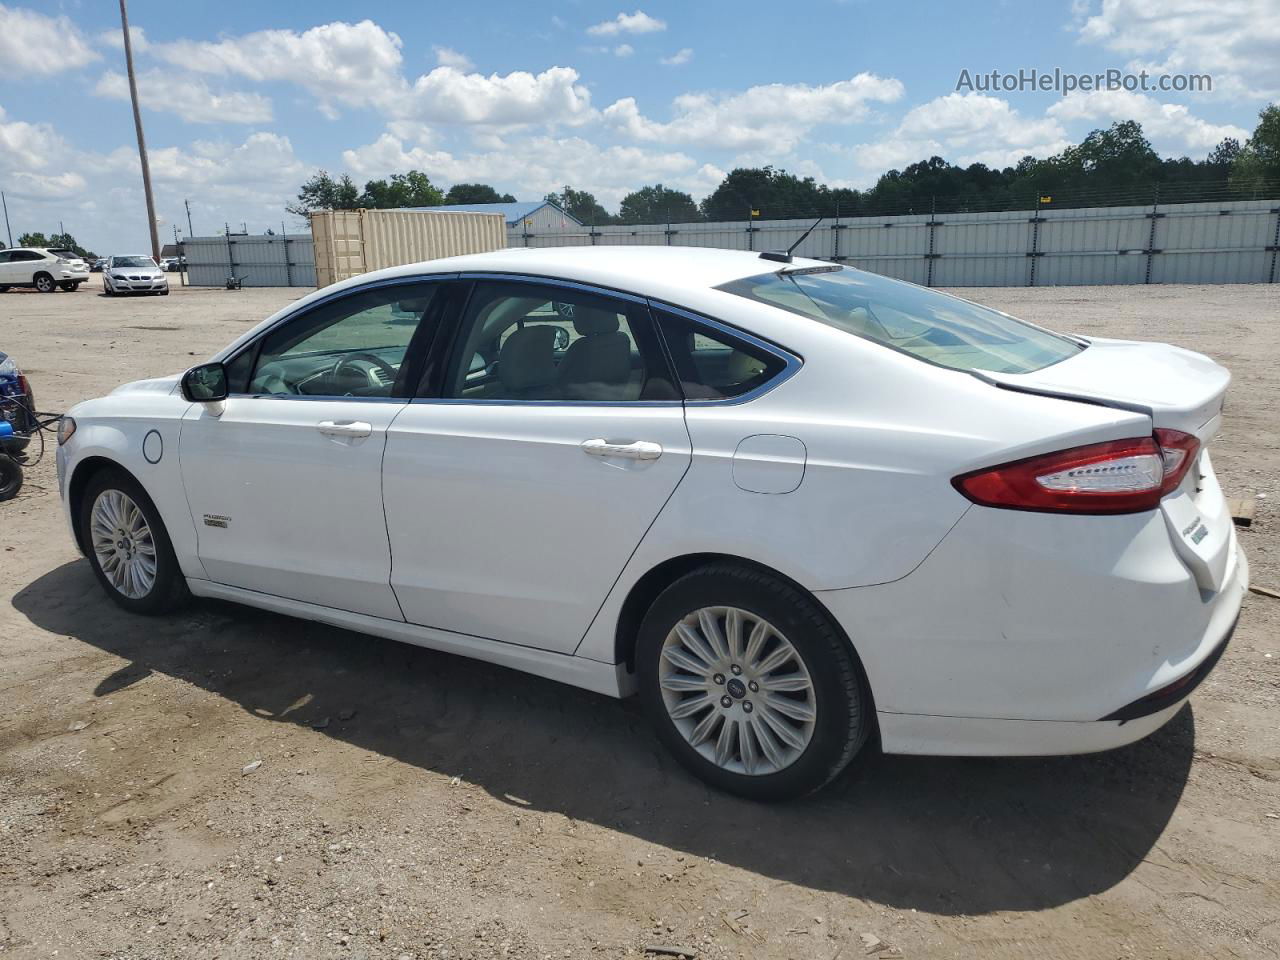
(320, 302)
(557, 282)
(791, 362)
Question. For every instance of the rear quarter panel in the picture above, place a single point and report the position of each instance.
(883, 435)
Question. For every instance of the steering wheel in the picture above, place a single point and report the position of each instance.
(388, 372)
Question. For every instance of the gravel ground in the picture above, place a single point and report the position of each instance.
(413, 804)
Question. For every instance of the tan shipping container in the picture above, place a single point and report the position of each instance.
(352, 242)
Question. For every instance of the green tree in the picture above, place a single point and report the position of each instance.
(657, 204)
(412, 189)
(476, 193)
(33, 240)
(580, 205)
(776, 194)
(1259, 158)
(323, 192)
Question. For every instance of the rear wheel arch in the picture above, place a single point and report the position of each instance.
(647, 589)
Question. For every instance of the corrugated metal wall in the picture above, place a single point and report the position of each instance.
(1229, 242)
(277, 261)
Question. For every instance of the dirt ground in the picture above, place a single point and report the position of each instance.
(414, 804)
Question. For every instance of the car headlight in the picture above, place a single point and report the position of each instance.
(66, 429)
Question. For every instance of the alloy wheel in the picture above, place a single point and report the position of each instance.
(737, 690)
(123, 544)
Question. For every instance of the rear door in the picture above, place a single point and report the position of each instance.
(285, 484)
(549, 436)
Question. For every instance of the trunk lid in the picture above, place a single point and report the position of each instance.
(1179, 390)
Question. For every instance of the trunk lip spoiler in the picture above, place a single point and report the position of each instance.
(1065, 395)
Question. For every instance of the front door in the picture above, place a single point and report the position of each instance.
(516, 493)
(285, 484)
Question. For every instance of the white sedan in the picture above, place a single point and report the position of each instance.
(790, 504)
(133, 274)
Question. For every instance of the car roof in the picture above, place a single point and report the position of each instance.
(639, 268)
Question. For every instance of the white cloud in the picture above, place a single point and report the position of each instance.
(773, 117)
(446, 95)
(339, 63)
(964, 129)
(623, 50)
(679, 58)
(1168, 125)
(32, 44)
(33, 161)
(448, 57)
(187, 97)
(1237, 41)
(638, 22)
(534, 166)
(115, 38)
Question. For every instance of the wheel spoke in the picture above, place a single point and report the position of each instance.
(692, 641)
(755, 643)
(784, 731)
(681, 684)
(733, 633)
(687, 708)
(726, 742)
(711, 630)
(703, 730)
(750, 752)
(795, 709)
(768, 745)
(780, 655)
(682, 660)
(790, 683)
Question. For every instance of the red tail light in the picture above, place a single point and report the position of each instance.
(1118, 476)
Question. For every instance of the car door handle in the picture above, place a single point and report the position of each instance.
(638, 450)
(344, 428)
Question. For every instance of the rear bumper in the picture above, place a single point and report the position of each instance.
(1021, 630)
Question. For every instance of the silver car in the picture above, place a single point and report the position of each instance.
(133, 274)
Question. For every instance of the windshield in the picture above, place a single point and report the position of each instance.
(132, 262)
(923, 323)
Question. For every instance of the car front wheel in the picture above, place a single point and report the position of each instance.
(128, 546)
(750, 684)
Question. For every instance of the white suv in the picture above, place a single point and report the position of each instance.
(43, 269)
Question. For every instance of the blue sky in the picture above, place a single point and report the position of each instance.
(243, 101)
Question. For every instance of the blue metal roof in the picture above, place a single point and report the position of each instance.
(514, 212)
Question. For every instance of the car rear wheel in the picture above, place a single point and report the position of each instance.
(68, 286)
(128, 546)
(44, 283)
(4, 288)
(750, 684)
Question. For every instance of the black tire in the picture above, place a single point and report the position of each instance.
(169, 591)
(44, 283)
(69, 287)
(106, 290)
(4, 288)
(10, 478)
(164, 292)
(844, 715)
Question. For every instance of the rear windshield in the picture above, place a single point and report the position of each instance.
(924, 323)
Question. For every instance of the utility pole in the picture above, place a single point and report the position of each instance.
(5, 204)
(142, 141)
(190, 232)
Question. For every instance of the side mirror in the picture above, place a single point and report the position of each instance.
(206, 383)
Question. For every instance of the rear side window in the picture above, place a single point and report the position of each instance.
(923, 323)
(713, 364)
